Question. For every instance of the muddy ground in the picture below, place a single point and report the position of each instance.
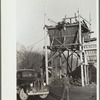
(75, 92)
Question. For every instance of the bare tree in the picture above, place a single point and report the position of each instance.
(29, 59)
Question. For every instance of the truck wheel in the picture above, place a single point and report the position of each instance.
(43, 96)
(23, 95)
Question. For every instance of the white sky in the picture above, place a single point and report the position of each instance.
(30, 16)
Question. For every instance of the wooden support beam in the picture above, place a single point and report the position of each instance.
(94, 48)
(67, 64)
(85, 19)
(85, 70)
(85, 28)
(62, 36)
(63, 45)
(71, 62)
(72, 25)
(80, 48)
(52, 41)
(67, 60)
(60, 68)
(52, 56)
(85, 66)
(46, 59)
(70, 18)
(77, 63)
(67, 25)
(87, 75)
(75, 38)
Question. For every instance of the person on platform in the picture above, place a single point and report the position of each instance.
(65, 88)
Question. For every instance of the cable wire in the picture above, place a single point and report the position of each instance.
(35, 43)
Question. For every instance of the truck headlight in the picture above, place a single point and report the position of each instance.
(31, 84)
(44, 84)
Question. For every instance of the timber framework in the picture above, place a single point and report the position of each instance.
(70, 44)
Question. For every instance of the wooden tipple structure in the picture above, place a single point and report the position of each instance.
(67, 42)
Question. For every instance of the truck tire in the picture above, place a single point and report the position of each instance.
(23, 95)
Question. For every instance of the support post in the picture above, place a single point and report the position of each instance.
(71, 62)
(46, 54)
(67, 64)
(52, 70)
(70, 20)
(80, 48)
(85, 68)
(46, 61)
(60, 67)
(87, 75)
(77, 63)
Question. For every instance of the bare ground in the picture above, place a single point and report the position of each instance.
(75, 93)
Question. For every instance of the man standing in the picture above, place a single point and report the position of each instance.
(65, 88)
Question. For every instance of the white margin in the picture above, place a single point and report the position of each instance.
(97, 21)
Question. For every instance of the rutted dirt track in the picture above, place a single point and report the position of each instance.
(76, 93)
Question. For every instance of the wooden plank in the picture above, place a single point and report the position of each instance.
(70, 17)
(87, 49)
(52, 56)
(85, 20)
(67, 25)
(61, 36)
(63, 45)
(71, 62)
(91, 55)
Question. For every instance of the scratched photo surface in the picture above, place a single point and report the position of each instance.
(56, 50)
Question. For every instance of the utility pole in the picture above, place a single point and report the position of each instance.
(46, 54)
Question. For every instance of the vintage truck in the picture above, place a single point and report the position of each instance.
(31, 82)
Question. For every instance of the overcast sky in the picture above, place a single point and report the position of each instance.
(30, 17)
